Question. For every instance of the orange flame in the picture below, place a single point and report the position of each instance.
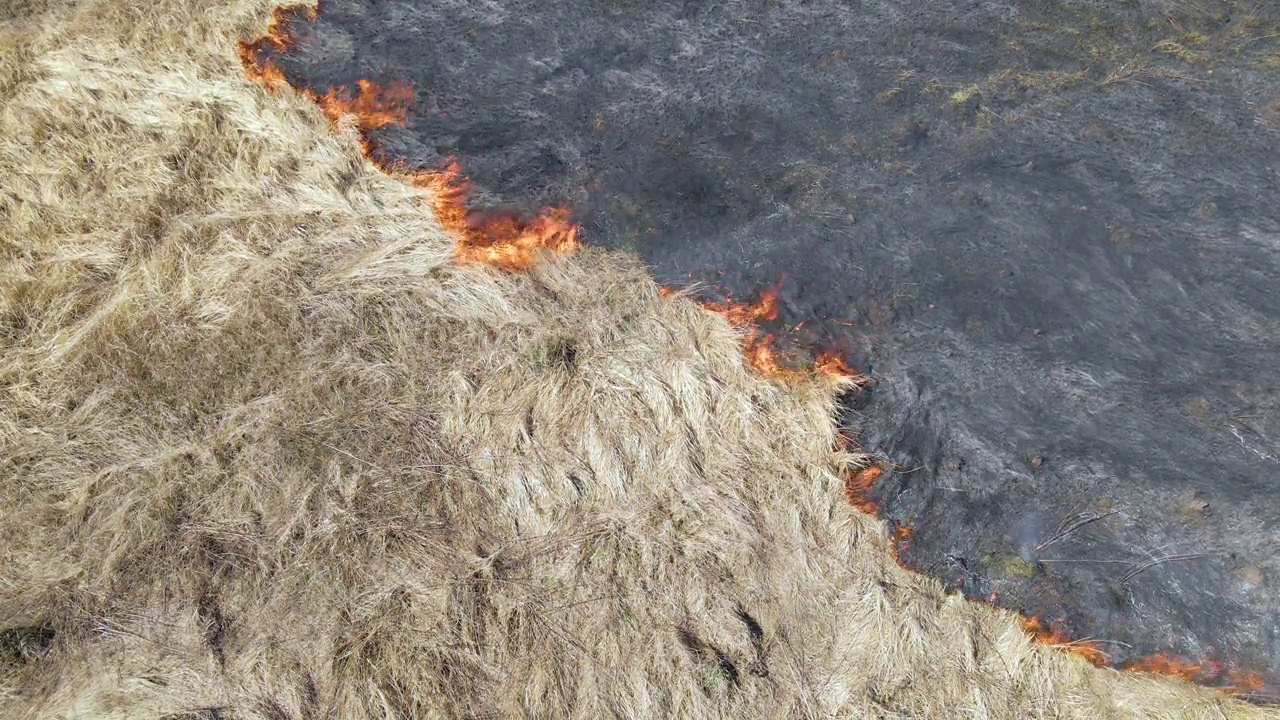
(278, 37)
(858, 486)
(374, 106)
(758, 349)
(502, 240)
(1163, 664)
(744, 314)
(833, 366)
(1226, 677)
(1222, 676)
(506, 241)
(1059, 639)
(761, 356)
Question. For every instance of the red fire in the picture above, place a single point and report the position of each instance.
(1059, 639)
(500, 239)
(503, 240)
(758, 348)
(508, 241)
(858, 486)
(761, 349)
(1206, 671)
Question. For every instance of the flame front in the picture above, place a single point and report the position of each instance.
(858, 486)
(279, 39)
(1228, 678)
(506, 241)
(503, 240)
(760, 348)
(757, 348)
(1034, 627)
(832, 365)
(373, 106)
(750, 313)
(500, 239)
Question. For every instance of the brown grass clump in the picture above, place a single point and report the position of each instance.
(268, 451)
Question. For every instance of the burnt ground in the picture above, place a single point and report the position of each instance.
(1050, 231)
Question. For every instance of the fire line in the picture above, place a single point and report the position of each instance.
(510, 242)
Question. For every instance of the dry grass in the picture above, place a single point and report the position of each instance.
(266, 451)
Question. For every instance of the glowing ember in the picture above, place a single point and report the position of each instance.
(901, 542)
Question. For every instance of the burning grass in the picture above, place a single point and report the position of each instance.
(268, 449)
(760, 347)
(503, 240)
(499, 239)
(1204, 671)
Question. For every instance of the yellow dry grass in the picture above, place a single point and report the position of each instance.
(266, 451)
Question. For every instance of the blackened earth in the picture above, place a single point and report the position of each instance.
(1050, 231)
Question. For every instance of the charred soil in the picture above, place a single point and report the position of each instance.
(1047, 231)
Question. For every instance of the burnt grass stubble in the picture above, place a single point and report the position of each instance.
(1048, 231)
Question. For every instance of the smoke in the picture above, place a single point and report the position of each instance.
(1027, 533)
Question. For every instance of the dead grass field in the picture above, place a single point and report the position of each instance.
(267, 451)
